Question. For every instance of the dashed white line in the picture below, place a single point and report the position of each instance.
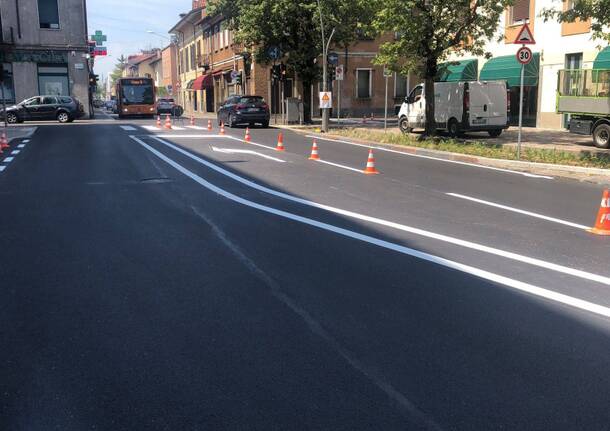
(128, 128)
(477, 272)
(457, 162)
(152, 128)
(2, 168)
(196, 127)
(25, 141)
(21, 145)
(8, 159)
(339, 166)
(409, 229)
(520, 211)
(15, 152)
(236, 151)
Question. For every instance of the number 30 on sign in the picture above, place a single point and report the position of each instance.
(524, 55)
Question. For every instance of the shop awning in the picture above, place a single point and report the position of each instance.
(203, 81)
(508, 69)
(463, 70)
(602, 61)
(189, 85)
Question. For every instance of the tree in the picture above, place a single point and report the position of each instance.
(294, 27)
(426, 31)
(118, 69)
(597, 10)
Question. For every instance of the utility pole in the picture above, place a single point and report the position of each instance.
(325, 46)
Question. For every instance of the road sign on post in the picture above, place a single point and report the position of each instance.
(339, 72)
(326, 100)
(524, 56)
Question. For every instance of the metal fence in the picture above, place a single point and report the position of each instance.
(584, 83)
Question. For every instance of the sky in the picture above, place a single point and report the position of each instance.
(125, 23)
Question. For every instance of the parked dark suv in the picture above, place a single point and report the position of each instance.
(244, 110)
(64, 109)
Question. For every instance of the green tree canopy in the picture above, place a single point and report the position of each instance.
(428, 30)
(596, 10)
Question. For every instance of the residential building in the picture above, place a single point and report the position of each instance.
(44, 50)
(169, 68)
(558, 46)
(141, 65)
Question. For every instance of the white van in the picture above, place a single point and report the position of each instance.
(459, 107)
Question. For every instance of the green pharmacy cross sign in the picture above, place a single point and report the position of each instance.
(99, 38)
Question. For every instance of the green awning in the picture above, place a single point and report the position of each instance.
(508, 69)
(602, 61)
(463, 70)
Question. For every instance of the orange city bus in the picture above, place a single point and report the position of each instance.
(135, 97)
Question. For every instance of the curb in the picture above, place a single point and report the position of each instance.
(594, 175)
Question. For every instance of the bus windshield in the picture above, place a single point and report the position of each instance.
(141, 94)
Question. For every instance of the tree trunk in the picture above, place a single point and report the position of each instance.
(430, 75)
(306, 101)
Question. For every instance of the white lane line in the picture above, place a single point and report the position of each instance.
(21, 145)
(250, 143)
(8, 159)
(232, 151)
(25, 141)
(128, 128)
(517, 210)
(339, 166)
(178, 128)
(152, 128)
(2, 168)
(457, 162)
(15, 152)
(412, 230)
(477, 272)
(196, 127)
(191, 136)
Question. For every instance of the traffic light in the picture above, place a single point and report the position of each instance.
(332, 73)
(238, 79)
(93, 78)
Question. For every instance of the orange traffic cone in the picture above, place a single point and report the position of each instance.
(248, 138)
(314, 151)
(192, 120)
(168, 122)
(159, 121)
(602, 223)
(370, 164)
(209, 125)
(280, 142)
(222, 128)
(3, 141)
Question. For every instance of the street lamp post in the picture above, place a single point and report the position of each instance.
(325, 46)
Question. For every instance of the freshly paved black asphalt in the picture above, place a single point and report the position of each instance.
(134, 298)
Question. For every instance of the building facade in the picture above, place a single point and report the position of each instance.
(44, 50)
(558, 46)
(169, 69)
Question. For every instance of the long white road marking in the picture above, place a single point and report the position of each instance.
(25, 141)
(250, 143)
(236, 151)
(413, 230)
(340, 166)
(2, 168)
(21, 145)
(517, 210)
(8, 159)
(152, 128)
(128, 128)
(477, 272)
(191, 136)
(15, 152)
(457, 162)
(196, 127)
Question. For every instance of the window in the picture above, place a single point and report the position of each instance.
(193, 66)
(48, 14)
(34, 101)
(9, 92)
(65, 99)
(363, 83)
(48, 100)
(519, 12)
(221, 44)
(194, 101)
(53, 80)
(400, 85)
(226, 38)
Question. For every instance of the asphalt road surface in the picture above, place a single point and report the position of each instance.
(182, 280)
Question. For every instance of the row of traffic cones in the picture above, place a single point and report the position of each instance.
(370, 168)
(168, 123)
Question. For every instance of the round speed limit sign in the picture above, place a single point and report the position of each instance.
(524, 55)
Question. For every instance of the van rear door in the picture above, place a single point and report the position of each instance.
(497, 107)
(479, 104)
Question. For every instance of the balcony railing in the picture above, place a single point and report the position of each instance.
(584, 83)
